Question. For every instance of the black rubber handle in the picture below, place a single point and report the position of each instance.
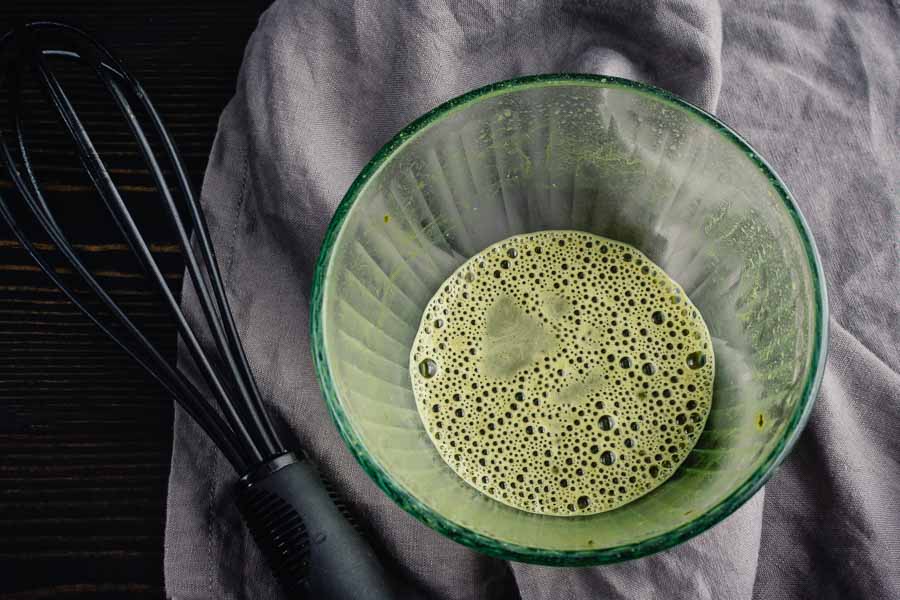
(307, 536)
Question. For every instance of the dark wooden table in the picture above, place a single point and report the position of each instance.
(84, 437)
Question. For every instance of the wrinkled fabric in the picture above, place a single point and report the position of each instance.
(813, 85)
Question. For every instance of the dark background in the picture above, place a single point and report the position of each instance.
(85, 439)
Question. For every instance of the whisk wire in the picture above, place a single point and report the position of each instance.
(112, 73)
(252, 436)
(143, 352)
(217, 312)
(98, 173)
(112, 66)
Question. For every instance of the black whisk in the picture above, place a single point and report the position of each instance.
(292, 515)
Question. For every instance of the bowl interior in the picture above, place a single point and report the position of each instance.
(606, 156)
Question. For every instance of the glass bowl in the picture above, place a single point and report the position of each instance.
(600, 154)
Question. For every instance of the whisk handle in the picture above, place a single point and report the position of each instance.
(308, 541)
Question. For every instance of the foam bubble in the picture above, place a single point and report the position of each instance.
(562, 373)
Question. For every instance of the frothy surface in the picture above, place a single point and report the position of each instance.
(562, 373)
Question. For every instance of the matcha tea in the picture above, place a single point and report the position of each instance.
(562, 373)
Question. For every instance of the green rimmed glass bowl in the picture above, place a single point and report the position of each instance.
(600, 154)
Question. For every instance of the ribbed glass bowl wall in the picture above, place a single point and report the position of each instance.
(598, 154)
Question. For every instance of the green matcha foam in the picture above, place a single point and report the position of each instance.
(562, 373)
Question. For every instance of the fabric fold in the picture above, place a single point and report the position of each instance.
(323, 85)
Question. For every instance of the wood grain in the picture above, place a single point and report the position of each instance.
(85, 437)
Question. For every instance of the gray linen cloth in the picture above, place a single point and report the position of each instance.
(813, 85)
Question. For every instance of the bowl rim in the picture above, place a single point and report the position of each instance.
(510, 551)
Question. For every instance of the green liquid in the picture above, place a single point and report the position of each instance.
(562, 373)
